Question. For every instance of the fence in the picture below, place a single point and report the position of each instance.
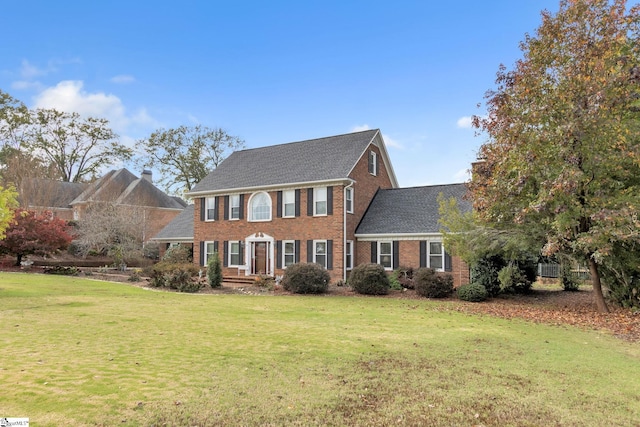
(553, 270)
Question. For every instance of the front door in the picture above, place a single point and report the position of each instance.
(260, 258)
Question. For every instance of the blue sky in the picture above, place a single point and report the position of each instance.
(274, 71)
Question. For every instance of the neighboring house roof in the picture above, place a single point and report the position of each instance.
(123, 187)
(315, 160)
(409, 211)
(38, 192)
(180, 229)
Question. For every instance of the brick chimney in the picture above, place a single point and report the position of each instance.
(147, 175)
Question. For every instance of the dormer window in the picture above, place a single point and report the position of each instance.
(260, 207)
(373, 163)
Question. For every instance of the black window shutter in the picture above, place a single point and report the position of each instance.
(241, 253)
(396, 254)
(241, 206)
(309, 201)
(297, 202)
(423, 254)
(329, 254)
(227, 208)
(279, 205)
(203, 206)
(330, 200)
(225, 257)
(202, 252)
(278, 252)
(217, 205)
(447, 262)
(374, 252)
(309, 250)
(297, 251)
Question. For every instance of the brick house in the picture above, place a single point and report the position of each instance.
(312, 201)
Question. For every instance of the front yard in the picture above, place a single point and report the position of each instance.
(87, 352)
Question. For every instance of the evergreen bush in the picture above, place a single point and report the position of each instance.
(369, 279)
(306, 278)
(472, 292)
(214, 271)
(513, 279)
(430, 284)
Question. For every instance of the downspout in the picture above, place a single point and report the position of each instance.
(344, 230)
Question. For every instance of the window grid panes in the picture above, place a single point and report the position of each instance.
(261, 207)
(320, 201)
(436, 256)
(234, 202)
(211, 208)
(289, 256)
(349, 200)
(234, 253)
(208, 251)
(289, 203)
(349, 255)
(385, 254)
(320, 253)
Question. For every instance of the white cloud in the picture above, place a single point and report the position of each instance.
(26, 85)
(28, 71)
(69, 96)
(360, 128)
(462, 175)
(465, 122)
(123, 79)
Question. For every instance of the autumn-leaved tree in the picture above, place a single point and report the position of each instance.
(37, 233)
(8, 203)
(185, 155)
(563, 155)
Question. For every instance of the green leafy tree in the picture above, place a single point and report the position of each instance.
(563, 155)
(185, 155)
(7, 204)
(214, 271)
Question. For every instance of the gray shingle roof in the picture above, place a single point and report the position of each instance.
(305, 161)
(180, 228)
(49, 193)
(409, 210)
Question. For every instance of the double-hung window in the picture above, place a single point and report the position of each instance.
(320, 201)
(209, 250)
(234, 253)
(288, 253)
(348, 252)
(373, 163)
(436, 256)
(234, 206)
(320, 252)
(348, 199)
(210, 213)
(289, 203)
(385, 254)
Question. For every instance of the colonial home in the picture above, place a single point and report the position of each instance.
(264, 209)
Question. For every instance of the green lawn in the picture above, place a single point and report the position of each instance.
(83, 352)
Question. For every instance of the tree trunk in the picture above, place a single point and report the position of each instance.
(597, 286)
(18, 259)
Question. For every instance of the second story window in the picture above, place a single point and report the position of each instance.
(348, 202)
(210, 214)
(289, 203)
(320, 201)
(260, 207)
(234, 206)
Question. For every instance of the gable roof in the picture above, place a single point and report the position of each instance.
(122, 187)
(47, 193)
(314, 160)
(180, 229)
(409, 210)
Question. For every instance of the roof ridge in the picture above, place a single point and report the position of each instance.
(304, 140)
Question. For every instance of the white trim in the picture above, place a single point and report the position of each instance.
(316, 200)
(399, 236)
(325, 252)
(352, 191)
(207, 208)
(284, 211)
(347, 265)
(173, 239)
(379, 142)
(250, 207)
(259, 237)
(229, 263)
(379, 253)
(230, 207)
(284, 252)
(206, 254)
(272, 187)
(441, 254)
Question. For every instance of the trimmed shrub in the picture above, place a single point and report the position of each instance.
(394, 282)
(369, 279)
(214, 271)
(568, 279)
(306, 278)
(175, 276)
(472, 292)
(513, 279)
(430, 284)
